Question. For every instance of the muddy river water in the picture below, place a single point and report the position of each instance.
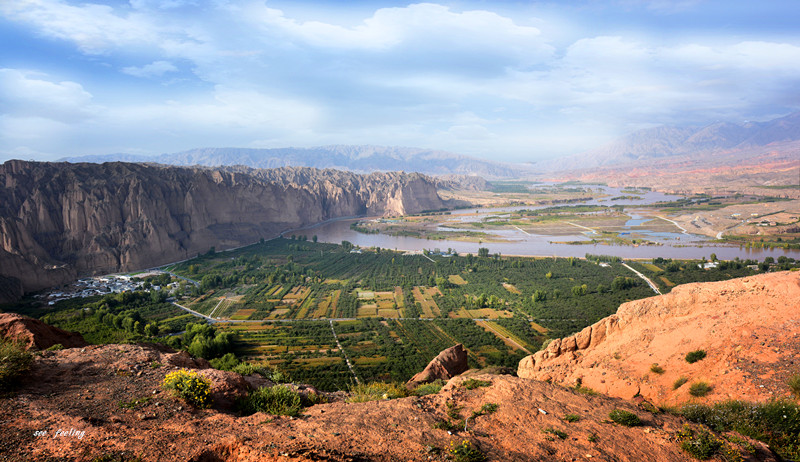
(680, 244)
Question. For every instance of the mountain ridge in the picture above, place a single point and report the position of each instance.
(61, 220)
(356, 158)
(664, 141)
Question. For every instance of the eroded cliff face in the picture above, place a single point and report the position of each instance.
(61, 220)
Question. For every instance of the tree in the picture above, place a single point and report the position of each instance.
(314, 238)
(483, 252)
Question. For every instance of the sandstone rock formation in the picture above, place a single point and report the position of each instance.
(35, 334)
(61, 220)
(748, 327)
(446, 365)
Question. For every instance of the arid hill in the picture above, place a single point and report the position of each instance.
(749, 329)
(106, 401)
(61, 220)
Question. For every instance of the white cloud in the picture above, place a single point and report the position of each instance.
(154, 69)
(425, 24)
(28, 94)
(94, 28)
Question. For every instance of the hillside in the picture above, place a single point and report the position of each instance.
(61, 220)
(106, 401)
(748, 328)
(343, 157)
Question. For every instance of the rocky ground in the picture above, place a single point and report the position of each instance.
(105, 401)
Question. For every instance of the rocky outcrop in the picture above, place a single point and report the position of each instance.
(35, 334)
(109, 402)
(61, 220)
(446, 365)
(748, 327)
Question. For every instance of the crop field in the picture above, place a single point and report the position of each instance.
(282, 303)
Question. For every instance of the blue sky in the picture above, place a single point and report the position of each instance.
(503, 80)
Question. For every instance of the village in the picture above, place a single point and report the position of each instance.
(103, 285)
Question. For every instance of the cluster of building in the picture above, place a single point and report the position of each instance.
(102, 285)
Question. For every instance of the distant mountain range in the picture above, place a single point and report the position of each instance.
(692, 142)
(360, 159)
(660, 143)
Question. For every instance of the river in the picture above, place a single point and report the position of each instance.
(680, 245)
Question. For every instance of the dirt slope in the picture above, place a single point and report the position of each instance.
(111, 393)
(35, 334)
(749, 328)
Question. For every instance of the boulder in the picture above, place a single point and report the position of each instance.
(446, 365)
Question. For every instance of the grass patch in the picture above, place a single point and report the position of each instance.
(471, 384)
(656, 369)
(679, 382)
(276, 400)
(776, 423)
(626, 418)
(554, 431)
(376, 391)
(428, 388)
(700, 389)
(14, 361)
(794, 385)
(134, 402)
(694, 356)
(465, 452)
(700, 444)
(571, 418)
(486, 409)
(585, 390)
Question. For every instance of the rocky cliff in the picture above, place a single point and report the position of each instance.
(61, 220)
(748, 327)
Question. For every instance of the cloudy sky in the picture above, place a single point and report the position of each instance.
(510, 80)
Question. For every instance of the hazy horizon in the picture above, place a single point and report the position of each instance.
(508, 81)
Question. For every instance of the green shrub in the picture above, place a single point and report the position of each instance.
(465, 452)
(694, 356)
(190, 386)
(794, 385)
(486, 409)
(15, 360)
(276, 400)
(626, 418)
(428, 388)
(656, 369)
(679, 382)
(700, 389)
(572, 418)
(557, 432)
(312, 399)
(227, 362)
(471, 384)
(55, 347)
(699, 444)
(776, 423)
(376, 391)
